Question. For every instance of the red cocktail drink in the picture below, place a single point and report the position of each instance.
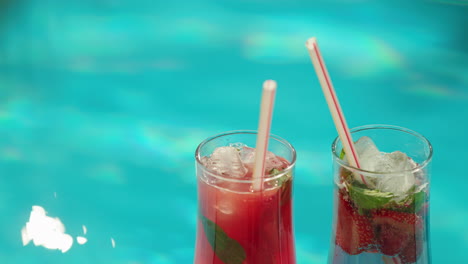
(236, 223)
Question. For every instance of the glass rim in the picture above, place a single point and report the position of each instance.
(420, 166)
(251, 132)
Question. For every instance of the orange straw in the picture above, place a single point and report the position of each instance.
(264, 126)
(333, 104)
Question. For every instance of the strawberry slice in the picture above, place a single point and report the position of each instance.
(395, 231)
(412, 250)
(354, 232)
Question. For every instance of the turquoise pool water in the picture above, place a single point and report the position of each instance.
(103, 103)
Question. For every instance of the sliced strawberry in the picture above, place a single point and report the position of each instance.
(413, 249)
(390, 239)
(394, 230)
(354, 232)
(410, 253)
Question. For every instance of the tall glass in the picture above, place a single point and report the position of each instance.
(372, 225)
(236, 223)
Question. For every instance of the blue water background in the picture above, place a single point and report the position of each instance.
(102, 104)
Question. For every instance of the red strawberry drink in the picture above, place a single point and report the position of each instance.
(381, 210)
(238, 224)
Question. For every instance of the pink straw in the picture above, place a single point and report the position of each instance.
(264, 126)
(333, 104)
(337, 114)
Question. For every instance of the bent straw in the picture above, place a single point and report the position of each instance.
(333, 104)
(337, 114)
(264, 125)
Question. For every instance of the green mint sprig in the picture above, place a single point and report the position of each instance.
(228, 250)
(368, 199)
(412, 203)
(342, 154)
(286, 185)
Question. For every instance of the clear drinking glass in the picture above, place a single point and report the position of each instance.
(240, 225)
(371, 224)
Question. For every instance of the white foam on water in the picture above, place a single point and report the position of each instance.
(45, 231)
(81, 240)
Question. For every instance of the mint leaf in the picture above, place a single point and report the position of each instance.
(342, 154)
(286, 185)
(411, 204)
(419, 200)
(273, 171)
(286, 190)
(228, 250)
(366, 199)
(347, 176)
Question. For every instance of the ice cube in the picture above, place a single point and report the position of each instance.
(368, 156)
(395, 161)
(225, 206)
(402, 180)
(273, 162)
(367, 151)
(396, 166)
(238, 145)
(226, 161)
(247, 155)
